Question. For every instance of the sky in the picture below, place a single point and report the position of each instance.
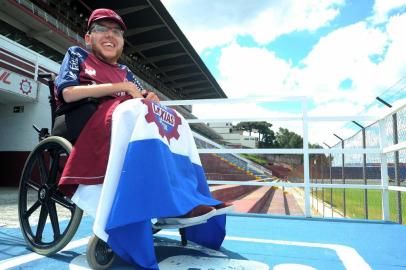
(341, 54)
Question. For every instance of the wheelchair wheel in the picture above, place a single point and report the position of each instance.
(41, 200)
(98, 254)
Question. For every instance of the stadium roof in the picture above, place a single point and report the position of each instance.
(155, 46)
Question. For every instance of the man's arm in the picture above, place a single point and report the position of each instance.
(75, 93)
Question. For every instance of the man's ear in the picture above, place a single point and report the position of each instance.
(88, 40)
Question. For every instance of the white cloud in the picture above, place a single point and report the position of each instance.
(382, 8)
(371, 57)
(209, 24)
(345, 53)
(291, 16)
(394, 65)
(251, 71)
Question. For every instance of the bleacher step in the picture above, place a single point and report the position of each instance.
(228, 193)
(283, 203)
(253, 201)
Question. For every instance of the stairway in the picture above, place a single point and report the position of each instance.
(257, 199)
(248, 199)
(218, 168)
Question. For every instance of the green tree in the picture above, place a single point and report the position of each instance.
(246, 126)
(288, 139)
(266, 135)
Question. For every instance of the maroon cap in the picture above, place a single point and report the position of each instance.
(105, 14)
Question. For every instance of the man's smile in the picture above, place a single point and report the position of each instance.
(108, 45)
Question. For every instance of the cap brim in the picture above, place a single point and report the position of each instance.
(120, 23)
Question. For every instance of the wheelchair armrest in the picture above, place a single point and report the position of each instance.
(73, 105)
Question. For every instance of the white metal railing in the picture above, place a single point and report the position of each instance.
(249, 163)
(305, 151)
(27, 57)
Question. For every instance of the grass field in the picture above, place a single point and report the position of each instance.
(355, 203)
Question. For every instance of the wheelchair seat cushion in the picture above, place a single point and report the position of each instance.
(89, 156)
(71, 118)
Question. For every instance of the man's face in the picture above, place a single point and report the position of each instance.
(106, 40)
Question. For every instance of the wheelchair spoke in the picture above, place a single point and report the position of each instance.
(41, 223)
(58, 198)
(43, 171)
(54, 168)
(53, 215)
(34, 207)
(33, 185)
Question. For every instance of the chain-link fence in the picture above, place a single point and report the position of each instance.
(363, 169)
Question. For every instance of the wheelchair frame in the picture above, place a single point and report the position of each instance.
(41, 173)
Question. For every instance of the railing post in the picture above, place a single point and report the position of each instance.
(306, 158)
(36, 71)
(316, 176)
(331, 182)
(364, 168)
(397, 176)
(343, 178)
(330, 158)
(384, 172)
(322, 180)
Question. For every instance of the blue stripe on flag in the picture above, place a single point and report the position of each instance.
(157, 183)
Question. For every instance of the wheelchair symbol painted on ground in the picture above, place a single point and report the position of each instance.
(210, 260)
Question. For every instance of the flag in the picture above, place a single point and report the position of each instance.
(154, 171)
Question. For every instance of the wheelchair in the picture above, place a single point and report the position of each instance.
(38, 192)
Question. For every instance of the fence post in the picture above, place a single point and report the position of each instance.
(342, 173)
(364, 168)
(397, 176)
(384, 172)
(306, 158)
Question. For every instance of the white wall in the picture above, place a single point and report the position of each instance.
(16, 132)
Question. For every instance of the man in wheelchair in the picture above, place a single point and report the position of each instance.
(94, 75)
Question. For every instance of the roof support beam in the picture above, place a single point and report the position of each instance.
(132, 9)
(181, 76)
(139, 30)
(196, 90)
(206, 95)
(175, 67)
(151, 45)
(182, 84)
(165, 56)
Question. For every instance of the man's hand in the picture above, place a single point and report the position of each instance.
(150, 95)
(132, 89)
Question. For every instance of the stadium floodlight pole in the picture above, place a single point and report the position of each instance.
(331, 179)
(342, 172)
(364, 168)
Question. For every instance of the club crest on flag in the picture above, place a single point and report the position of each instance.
(165, 118)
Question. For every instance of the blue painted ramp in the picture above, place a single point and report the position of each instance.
(255, 243)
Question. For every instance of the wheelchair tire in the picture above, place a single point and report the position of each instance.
(39, 181)
(98, 254)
